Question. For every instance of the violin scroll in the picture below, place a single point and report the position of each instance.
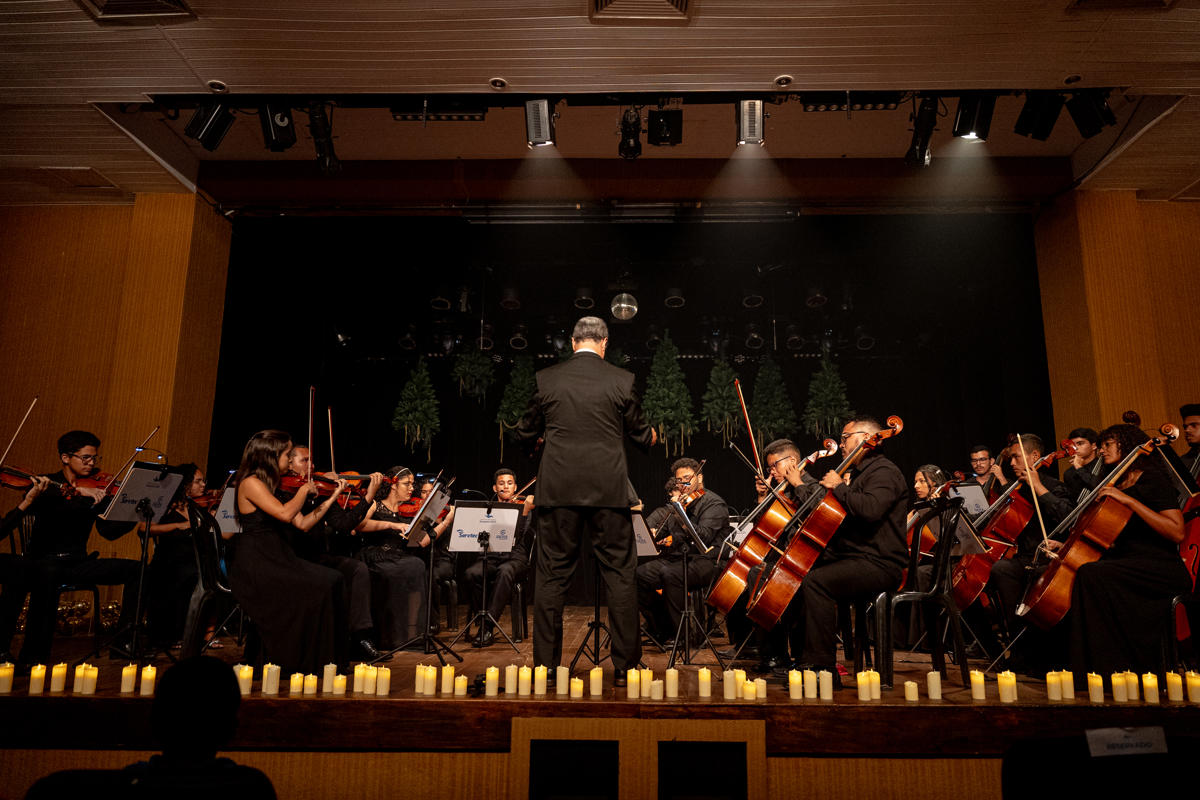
(896, 424)
(1169, 432)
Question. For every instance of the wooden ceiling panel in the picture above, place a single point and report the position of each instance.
(1164, 164)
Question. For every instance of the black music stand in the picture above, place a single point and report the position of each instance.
(688, 617)
(483, 538)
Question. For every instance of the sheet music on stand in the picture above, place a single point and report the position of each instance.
(681, 514)
(974, 500)
(437, 500)
(226, 512)
(153, 483)
(642, 537)
(472, 517)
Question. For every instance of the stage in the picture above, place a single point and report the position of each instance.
(331, 746)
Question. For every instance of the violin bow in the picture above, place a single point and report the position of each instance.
(1036, 506)
(129, 462)
(312, 402)
(737, 385)
(17, 432)
(332, 462)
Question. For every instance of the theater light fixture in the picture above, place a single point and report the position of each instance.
(863, 339)
(519, 339)
(631, 134)
(794, 339)
(278, 128)
(850, 101)
(209, 124)
(924, 120)
(1039, 114)
(322, 132)
(539, 122)
(510, 300)
(653, 338)
(1090, 112)
(584, 299)
(664, 127)
(973, 119)
(485, 342)
(815, 297)
(674, 298)
(750, 122)
(754, 337)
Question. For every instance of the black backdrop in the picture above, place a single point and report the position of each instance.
(952, 302)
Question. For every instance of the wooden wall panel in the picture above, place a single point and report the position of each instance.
(884, 778)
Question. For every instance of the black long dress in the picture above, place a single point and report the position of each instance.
(170, 580)
(294, 604)
(1119, 604)
(398, 583)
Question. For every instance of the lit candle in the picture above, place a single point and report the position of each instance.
(510, 679)
(1193, 686)
(1006, 682)
(491, 686)
(876, 689)
(37, 678)
(933, 684)
(7, 670)
(562, 680)
(810, 684)
(1095, 688)
(739, 680)
(656, 689)
(978, 692)
(245, 678)
(644, 680)
(360, 674)
(576, 688)
(539, 680)
(524, 681)
(270, 683)
(795, 684)
(79, 678)
(129, 679)
(448, 679)
(460, 686)
(760, 688)
(705, 682)
(672, 683)
(1131, 685)
(339, 684)
(1067, 679)
(825, 684)
(729, 679)
(749, 690)
(632, 685)
(296, 684)
(327, 678)
(1150, 687)
(58, 678)
(430, 680)
(91, 679)
(418, 684)
(597, 681)
(910, 691)
(1054, 686)
(1120, 694)
(310, 684)
(1174, 687)
(864, 686)
(370, 675)
(148, 675)
(383, 681)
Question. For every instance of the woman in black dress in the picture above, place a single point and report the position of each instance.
(172, 574)
(1119, 604)
(294, 604)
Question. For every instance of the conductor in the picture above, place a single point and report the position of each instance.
(583, 409)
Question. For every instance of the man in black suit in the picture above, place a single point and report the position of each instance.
(583, 409)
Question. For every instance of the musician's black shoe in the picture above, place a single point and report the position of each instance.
(771, 663)
(485, 639)
(749, 651)
(368, 651)
(619, 679)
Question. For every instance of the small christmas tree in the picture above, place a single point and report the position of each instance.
(515, 400)
(475, 373)
(417, 410)
(827, 408)
(719, 406)
(668, 404)
(770, 407)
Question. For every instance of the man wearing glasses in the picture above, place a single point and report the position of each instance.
(987, 472)
(58, 517)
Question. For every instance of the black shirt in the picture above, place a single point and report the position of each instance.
(709, 515)
(876, 503)
(62, 526)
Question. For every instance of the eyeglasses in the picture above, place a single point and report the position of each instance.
(772, 464)
(847, 436)
(92, 459)
(983, 460)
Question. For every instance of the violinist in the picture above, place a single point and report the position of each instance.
(59, 514)
(503, 569)
(656, 518)
(709, 515)
(1087, 469)
(986, 471)
(318, 543)
(1191, 434)
(1119, 603)
(172, 573)
(444, 565)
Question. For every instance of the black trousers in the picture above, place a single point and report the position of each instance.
(561, 533)
(14, 576)
(47, 574)
(357, 595)
(666, 573)
(502, 572)
(814, 610)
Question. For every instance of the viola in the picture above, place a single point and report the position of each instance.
(805, 537)
(15, 478)
(1094, 526)
(770, 518)
(207, 500)
(998, 526)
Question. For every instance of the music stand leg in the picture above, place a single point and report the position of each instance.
(483, 616)
(431, 644)
(686, 620)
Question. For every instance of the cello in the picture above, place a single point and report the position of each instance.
(770, 518)
(1093, 528)
(805, 537)
(998, 526)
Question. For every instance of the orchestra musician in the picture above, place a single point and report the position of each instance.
(709, 515)
(1191, 434)
(503, 569)
(986, 471)
(172, 573)
(444, 566)
(296, 605)
(1087, 468)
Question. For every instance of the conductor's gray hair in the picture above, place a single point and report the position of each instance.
(590, 328)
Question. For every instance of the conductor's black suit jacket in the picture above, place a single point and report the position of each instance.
(584, 408)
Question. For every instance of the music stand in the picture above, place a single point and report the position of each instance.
(145, 496)
(497, 524)
(688, 618)
(423, 522)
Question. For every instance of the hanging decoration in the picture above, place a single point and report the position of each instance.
(515, 400)
(416, 413)
(719, 406)
(770, 407)
(827, 408)
(475, 373)
(668, 404)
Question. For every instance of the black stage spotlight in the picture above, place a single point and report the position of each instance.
(1090, 112)
(863, 339)
(674, 298)
(209, 125)
(815, 297)
(664, 126)
(750, 122)
(519, 339)
(584, 299)
(322, 132)
(539, 122)
(1039, 114)
(653, 338)
(752, 297)
(754, 337)
(278, 128)
(509, 299)
(974, 116)
(440, 301)
(484, 342)
(794, 339)
(631, 134)
(924, 121)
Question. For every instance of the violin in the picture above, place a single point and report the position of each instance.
(22, 480)
(207, 500)
(804, 540)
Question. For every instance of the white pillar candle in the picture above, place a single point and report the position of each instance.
(1174, 687)
(876, 688)
(645, 679)
(704, 688)
(1054, 686)
(1150, 687)
(911, 694)
(460, 686)
(296, 684)
(58, 678)
(633, 680)
(562, 680)
(1131, 686)
(448, 679)
(810, 684)
(491, 685)
(383, 682)
(339, 685)
(1120, 695)
(760, 688)
(510, 679)
(671, 684)
(864, 686)
(729, 679)
(327, 678)
(576, 688)
(933, 684)
(795, 684)
(310, 684)
(37, 678)
(1095, 688)
(360, 674)
(825, 684)
(7, 671)
(79, 678)
(418, 680)
(539, 680)
(978, 691)
(656, 689)
(129, 679)
(245, 678)
(92, 678)
(739, 680)
(524, 681)
(430, 680)
(1067, 680)
(597, 681)
(370, 675)
(1193, 686)
(149, 673)
(749, 690)
(1006, 683)
(270, 684)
